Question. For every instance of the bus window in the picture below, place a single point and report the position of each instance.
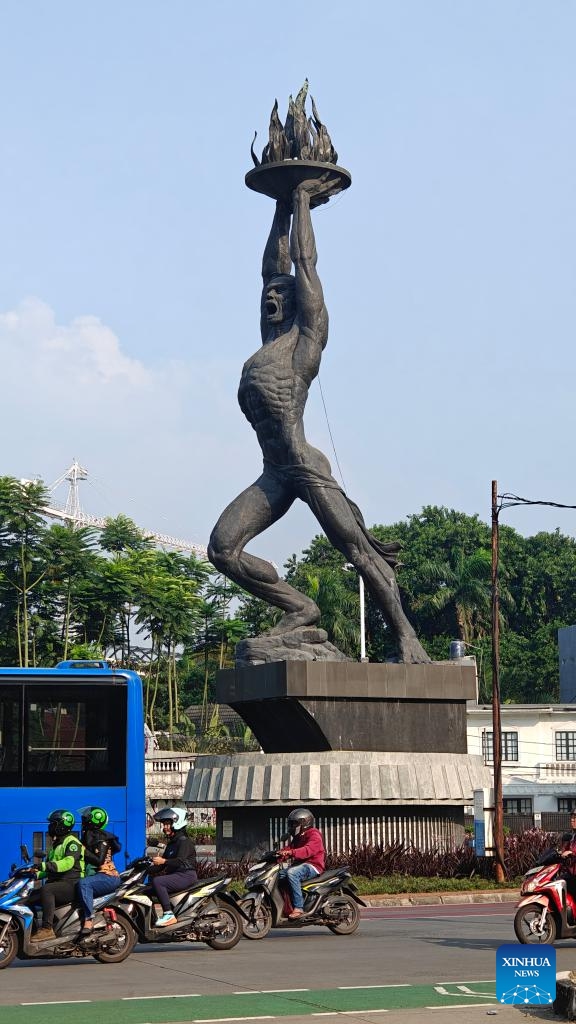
(73, 734)
(10, 747)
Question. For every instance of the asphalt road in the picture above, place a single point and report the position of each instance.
(417, 956)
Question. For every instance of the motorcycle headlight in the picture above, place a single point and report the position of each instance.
(528, 887)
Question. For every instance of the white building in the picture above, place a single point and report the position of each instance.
(538, 754)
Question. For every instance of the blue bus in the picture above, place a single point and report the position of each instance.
(70, 736)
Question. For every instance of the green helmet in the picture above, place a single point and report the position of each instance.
(60, 823)
(93, 817)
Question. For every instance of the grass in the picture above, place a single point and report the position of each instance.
(393, 884)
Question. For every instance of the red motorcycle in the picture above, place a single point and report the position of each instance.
(547, 911)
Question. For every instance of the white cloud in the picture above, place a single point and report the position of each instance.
(86, 351)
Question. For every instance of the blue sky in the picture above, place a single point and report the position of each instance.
(129, 285)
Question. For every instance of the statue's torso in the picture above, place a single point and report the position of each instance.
(272, 395)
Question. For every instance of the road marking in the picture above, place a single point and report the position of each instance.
(271, 990)
(212, 1020)
(339, 1013)
(349, 988)
(183, 995)
(247, 992)
(477, 981)
(57, 1002)
(360, 1013)
(462, 989)
(454, 1006)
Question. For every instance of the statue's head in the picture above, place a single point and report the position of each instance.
(279, 299)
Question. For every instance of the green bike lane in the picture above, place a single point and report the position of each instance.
(251, 1006)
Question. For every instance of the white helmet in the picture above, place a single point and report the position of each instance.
(177, 816)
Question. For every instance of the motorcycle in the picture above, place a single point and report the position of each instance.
(548, 911)
(330, 899)
(205, 911)
(110, 941)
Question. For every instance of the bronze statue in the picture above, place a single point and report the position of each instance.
(272, 395)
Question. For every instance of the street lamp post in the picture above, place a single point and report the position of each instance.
(362, 620)
(496, 717)
(363, 657)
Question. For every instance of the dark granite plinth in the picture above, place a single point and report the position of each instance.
(306, 706)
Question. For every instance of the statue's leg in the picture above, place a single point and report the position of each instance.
(340, 525)
(252, 512)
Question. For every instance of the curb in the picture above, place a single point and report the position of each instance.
(427, 899)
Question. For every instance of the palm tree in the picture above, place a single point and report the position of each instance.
(462, 585)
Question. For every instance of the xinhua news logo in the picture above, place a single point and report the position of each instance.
(525, 975)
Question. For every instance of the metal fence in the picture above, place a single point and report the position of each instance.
(344, 833)
(548, 821)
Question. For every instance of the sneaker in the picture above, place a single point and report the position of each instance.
(166, 919)
(297, 912)
(43, 934)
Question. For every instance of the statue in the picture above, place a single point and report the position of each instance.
(299, 170)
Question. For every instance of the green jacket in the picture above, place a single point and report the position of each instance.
(64, 861)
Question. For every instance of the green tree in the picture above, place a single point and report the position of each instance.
(22, 560)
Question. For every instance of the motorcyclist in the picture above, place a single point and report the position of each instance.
(555, 854)
(101, 875)
(177, 865)
(306, 848)
(62, 868)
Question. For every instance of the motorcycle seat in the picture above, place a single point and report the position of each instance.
(333, 873)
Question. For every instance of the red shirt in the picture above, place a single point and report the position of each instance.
(309, 848)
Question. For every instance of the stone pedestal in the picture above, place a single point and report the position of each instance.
(377, 751)
(346, 705)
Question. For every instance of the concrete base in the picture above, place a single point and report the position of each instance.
(308, 705)
(359, 796)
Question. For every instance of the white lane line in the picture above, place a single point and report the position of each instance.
(342, 988)
(57, 1002)
(453, 1006)
(268, 990)
(246, 992)
(360, 1013)
(478, 981)
(217, 1020)
(468, 991)
(183, 995)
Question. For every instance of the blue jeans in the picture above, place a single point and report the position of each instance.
(95, 885)
(297, 874)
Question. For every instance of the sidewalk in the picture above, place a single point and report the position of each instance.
(423, 899)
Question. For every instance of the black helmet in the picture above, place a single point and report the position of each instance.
(93, 817)
(175, 816)
(60, 823)
(299, 820)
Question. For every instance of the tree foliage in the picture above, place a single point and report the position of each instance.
(171, 616)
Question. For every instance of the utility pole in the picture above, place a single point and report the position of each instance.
(496, 718)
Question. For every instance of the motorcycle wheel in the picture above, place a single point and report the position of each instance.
(525, 922)
(349, 914)
(8, 948)
(260, 921)
(231, 928)
(125, 941)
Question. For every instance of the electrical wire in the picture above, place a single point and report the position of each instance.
(330, 433)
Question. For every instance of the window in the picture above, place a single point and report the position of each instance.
(566, 804)
(517, 805)
(10, 729)
(74, 735)
(509, 746)
(566, 746)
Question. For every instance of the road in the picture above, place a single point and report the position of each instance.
(412, 957)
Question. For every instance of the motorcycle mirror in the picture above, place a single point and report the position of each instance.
(24, 853)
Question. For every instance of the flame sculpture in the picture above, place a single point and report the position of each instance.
(300, 138)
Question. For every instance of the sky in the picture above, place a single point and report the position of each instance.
(130, 269)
